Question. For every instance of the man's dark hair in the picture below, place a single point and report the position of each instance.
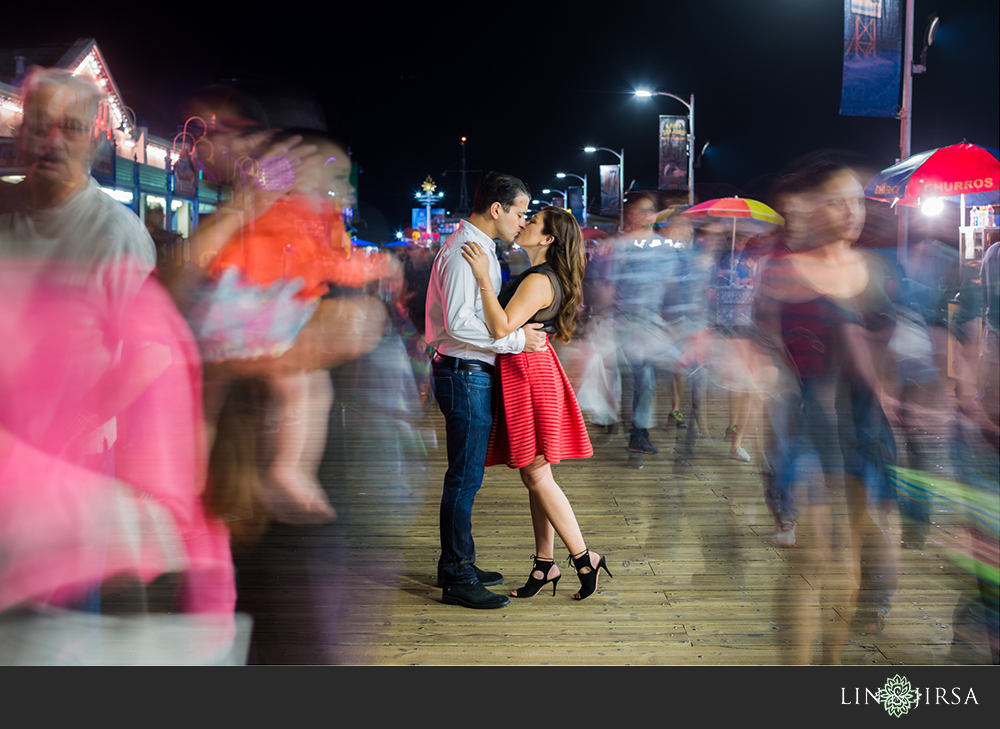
(498, 187)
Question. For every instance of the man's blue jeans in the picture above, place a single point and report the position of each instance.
(466, 400)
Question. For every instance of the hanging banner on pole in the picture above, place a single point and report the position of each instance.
(610, 187)
(873, 43)
(575, 203)
(674, 152)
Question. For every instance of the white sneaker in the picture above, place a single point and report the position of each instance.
(784, 535)
(740, 454)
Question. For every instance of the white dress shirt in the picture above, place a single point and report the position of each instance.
(455, 324)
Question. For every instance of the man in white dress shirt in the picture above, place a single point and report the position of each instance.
(463, 377)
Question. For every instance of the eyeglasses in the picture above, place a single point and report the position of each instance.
(69, 127)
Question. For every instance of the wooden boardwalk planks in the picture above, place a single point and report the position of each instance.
(696, 577)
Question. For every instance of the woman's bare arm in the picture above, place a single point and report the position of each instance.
(534, 293)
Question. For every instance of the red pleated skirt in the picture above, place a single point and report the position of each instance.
(536, 412)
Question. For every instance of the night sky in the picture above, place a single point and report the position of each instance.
(530, 85)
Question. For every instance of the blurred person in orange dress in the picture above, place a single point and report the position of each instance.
(301, 238)
(263, 314)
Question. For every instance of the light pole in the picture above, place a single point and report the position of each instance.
(645, 94)
(547, 191)
(561, 175)
(621, 181)
(906, 112)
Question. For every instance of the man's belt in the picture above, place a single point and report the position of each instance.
(471, 365)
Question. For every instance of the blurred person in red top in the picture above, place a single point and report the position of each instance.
(826, 306)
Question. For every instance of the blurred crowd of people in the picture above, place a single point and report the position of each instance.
(157, 420)
(824, 349)
(162, 427)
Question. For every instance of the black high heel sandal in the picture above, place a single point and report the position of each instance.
(533, 585)
(588, 580)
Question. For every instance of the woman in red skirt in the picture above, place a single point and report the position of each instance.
(538, 421)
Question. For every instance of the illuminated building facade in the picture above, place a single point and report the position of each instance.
(136, 168)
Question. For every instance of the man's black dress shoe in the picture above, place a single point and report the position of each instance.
(473, 595)
(488, 578)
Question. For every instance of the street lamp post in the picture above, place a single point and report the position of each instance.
(621, 181)
(561, 175)
(906, 113)
(565, 195)
(539, 204)
(645, 94)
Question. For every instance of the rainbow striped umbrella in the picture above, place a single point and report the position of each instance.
(748, 216)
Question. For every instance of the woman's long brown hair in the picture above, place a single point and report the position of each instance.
(566, 257)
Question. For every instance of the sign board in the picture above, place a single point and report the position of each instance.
(674, 153)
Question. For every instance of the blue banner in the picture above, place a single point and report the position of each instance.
(873, 43)
(575, 203)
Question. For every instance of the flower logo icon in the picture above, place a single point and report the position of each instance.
(897, 696)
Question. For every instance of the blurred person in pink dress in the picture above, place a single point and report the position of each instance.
(101, 441)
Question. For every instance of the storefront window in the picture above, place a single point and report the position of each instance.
(123, 196)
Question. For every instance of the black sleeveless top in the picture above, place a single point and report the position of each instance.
(546, 316)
